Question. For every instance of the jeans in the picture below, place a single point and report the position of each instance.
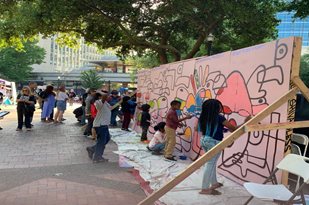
(210, 173)
(158, 147)
(114, 114)
(89, 126)
(103, 138)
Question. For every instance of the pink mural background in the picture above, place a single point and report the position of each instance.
(245, 81)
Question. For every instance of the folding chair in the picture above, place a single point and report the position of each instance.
(296, 140)
(301, 140)
(291, 163)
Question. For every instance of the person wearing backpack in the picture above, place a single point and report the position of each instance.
(113, 100)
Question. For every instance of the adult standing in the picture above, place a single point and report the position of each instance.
(33, 86)
(24, 106)
(90, 96)
(113, 100)
(61, 104)
(100, 124)
(83, 118)
(1, 101)
(125, 109)
(49, 103)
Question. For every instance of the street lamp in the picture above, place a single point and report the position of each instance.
(210, 39)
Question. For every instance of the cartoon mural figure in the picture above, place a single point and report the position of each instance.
(243, 92)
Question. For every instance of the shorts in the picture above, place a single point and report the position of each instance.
(61, 105)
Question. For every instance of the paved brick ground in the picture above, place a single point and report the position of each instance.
(49, 165)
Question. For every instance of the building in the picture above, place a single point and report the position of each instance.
(294, 27)
(64, 59)
(64, 65)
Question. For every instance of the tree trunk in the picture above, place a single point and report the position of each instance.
(162, 56)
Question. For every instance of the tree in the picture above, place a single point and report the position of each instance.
(300, 7)
(304, 69)
(172, 29)
(15, 64)
(91, 79)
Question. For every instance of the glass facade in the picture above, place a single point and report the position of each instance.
(293, 27)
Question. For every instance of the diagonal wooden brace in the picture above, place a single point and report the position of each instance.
(276, 126)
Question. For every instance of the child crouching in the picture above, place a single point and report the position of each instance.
(157, 143)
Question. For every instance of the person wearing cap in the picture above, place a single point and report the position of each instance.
(100, 124)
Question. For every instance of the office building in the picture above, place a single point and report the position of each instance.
(294, 27)
(63, 59)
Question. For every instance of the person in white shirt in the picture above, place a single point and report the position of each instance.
(100, 124)
(61, 98)
(157, 143)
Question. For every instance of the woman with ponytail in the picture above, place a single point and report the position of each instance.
(211, 124)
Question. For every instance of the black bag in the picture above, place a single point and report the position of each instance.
(43, 95)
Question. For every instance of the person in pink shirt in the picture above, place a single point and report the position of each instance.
(157, 143)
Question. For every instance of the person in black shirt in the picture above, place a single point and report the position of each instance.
(25, 102)
(145, 121)
(125, 109)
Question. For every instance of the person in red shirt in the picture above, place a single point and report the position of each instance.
(172, 123)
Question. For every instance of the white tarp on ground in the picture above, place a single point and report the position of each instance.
(158, 171)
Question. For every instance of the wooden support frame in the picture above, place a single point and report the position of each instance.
(276, 126)
(251, 125)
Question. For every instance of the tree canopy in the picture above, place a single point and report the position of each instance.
(304, 69)
(172, 29)
(16, 64)
(300, 7)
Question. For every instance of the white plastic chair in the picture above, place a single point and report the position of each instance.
(292, 163)
(298, 139)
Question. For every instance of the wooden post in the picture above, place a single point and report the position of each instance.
(291, 109)
(218, 148)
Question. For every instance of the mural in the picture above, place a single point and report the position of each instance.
(245, 81)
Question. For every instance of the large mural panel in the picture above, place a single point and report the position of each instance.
(245, 81)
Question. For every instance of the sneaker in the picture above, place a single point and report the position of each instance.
(28, 129)
(90, 152)
(100, 160)
(148, 148)
(1, 128)
(18, 129)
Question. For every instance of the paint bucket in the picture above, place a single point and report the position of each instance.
(183, 157)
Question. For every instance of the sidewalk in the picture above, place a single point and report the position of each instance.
(49, 165)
